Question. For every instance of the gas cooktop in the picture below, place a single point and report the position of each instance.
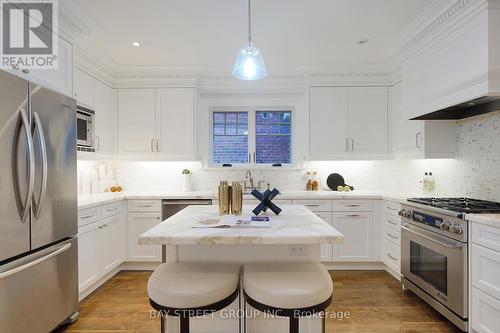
(460, 205)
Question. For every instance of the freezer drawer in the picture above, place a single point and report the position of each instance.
(40, 291)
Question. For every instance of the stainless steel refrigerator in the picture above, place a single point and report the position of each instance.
(38, 207)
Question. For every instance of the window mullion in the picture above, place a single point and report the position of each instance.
(251, 135)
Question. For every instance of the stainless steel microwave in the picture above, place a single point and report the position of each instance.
(85, 129)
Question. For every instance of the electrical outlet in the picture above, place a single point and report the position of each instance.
(297, 251)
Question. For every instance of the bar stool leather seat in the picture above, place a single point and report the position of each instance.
(192, 289)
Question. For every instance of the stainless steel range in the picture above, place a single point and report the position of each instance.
(434, 260)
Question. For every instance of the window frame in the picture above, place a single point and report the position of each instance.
(252, 136)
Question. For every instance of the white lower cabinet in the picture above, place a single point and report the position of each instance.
(485, 278)
(139, 223)
(112, 242)
(142, 216)
(485, 316)
(357, 228)
(101, 248)
(88, 255)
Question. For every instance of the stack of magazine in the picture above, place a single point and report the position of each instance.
(233, 221)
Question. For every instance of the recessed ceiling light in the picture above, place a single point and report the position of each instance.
(136, 44)
(363, 41)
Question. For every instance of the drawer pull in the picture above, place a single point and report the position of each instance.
(353, 215)
(144, 206)
(389, 255)
(393, 223)
(86, 217)
(352, 205)
(111, 210)
(311, 205)
(392, 236)
(390, 208)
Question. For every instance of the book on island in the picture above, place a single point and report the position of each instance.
(233, 221)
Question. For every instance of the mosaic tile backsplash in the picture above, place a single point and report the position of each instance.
(475, 172)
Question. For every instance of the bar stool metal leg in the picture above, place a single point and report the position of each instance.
(323, 323)
(294, 324)
(162, 323)
(184, 324)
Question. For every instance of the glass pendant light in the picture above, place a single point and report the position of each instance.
(249, 64)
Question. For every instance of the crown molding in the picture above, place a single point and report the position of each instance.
(457, 10)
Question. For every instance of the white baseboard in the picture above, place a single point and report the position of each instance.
(139, 266)
(84, 293)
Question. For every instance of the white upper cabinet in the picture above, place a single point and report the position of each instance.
(136, 122)
(156, 124)
(59, 79)
(175, 123)
(348, 123)
(83, 90)
(368, 120)
(328, 118)
(419, 138)
(105, 117)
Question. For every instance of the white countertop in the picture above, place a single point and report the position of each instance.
(92, 200)
(488, 219)
(295, 225)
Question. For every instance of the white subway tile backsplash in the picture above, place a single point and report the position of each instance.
(475, 172)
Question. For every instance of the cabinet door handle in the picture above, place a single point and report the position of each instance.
(254, 160)
(144, 206)
(346, 144)
(158, 146)
(417, 141)
(389, 255)
(352, 144)
(111, 210)
(152, 142)
(86, 217)
(392, 236)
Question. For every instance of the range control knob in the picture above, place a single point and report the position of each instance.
(401, 212)
(457, 229)
(445, 226)
(408, 214)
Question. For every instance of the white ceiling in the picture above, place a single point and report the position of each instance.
(208, 33)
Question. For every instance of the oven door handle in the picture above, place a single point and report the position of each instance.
(432, 239)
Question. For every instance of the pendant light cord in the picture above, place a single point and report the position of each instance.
(249, 23)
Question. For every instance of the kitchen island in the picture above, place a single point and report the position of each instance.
(295, 235)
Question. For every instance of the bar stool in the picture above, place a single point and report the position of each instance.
(187, 290)
(290, 290)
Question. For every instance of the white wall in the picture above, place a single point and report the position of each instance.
(475, 173)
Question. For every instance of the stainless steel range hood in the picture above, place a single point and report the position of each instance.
(464, 110)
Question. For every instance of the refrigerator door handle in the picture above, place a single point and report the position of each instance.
(24, 207)
(38, 205)
(34, 262)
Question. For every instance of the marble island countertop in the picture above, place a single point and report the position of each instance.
(295, 225)
(92, 200)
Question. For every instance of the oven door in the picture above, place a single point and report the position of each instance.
(84, 130)
(437, 265)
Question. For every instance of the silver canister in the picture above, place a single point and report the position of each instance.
(236, 198)
(224, 198)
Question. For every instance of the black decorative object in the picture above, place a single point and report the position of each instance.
(265, 201)
(335, 180)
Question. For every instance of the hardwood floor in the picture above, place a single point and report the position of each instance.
(374, 299)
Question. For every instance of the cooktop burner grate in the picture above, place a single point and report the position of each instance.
(461, 205)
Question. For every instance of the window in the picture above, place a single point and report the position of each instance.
(230, 137)
(273, 133)
(256, 136)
